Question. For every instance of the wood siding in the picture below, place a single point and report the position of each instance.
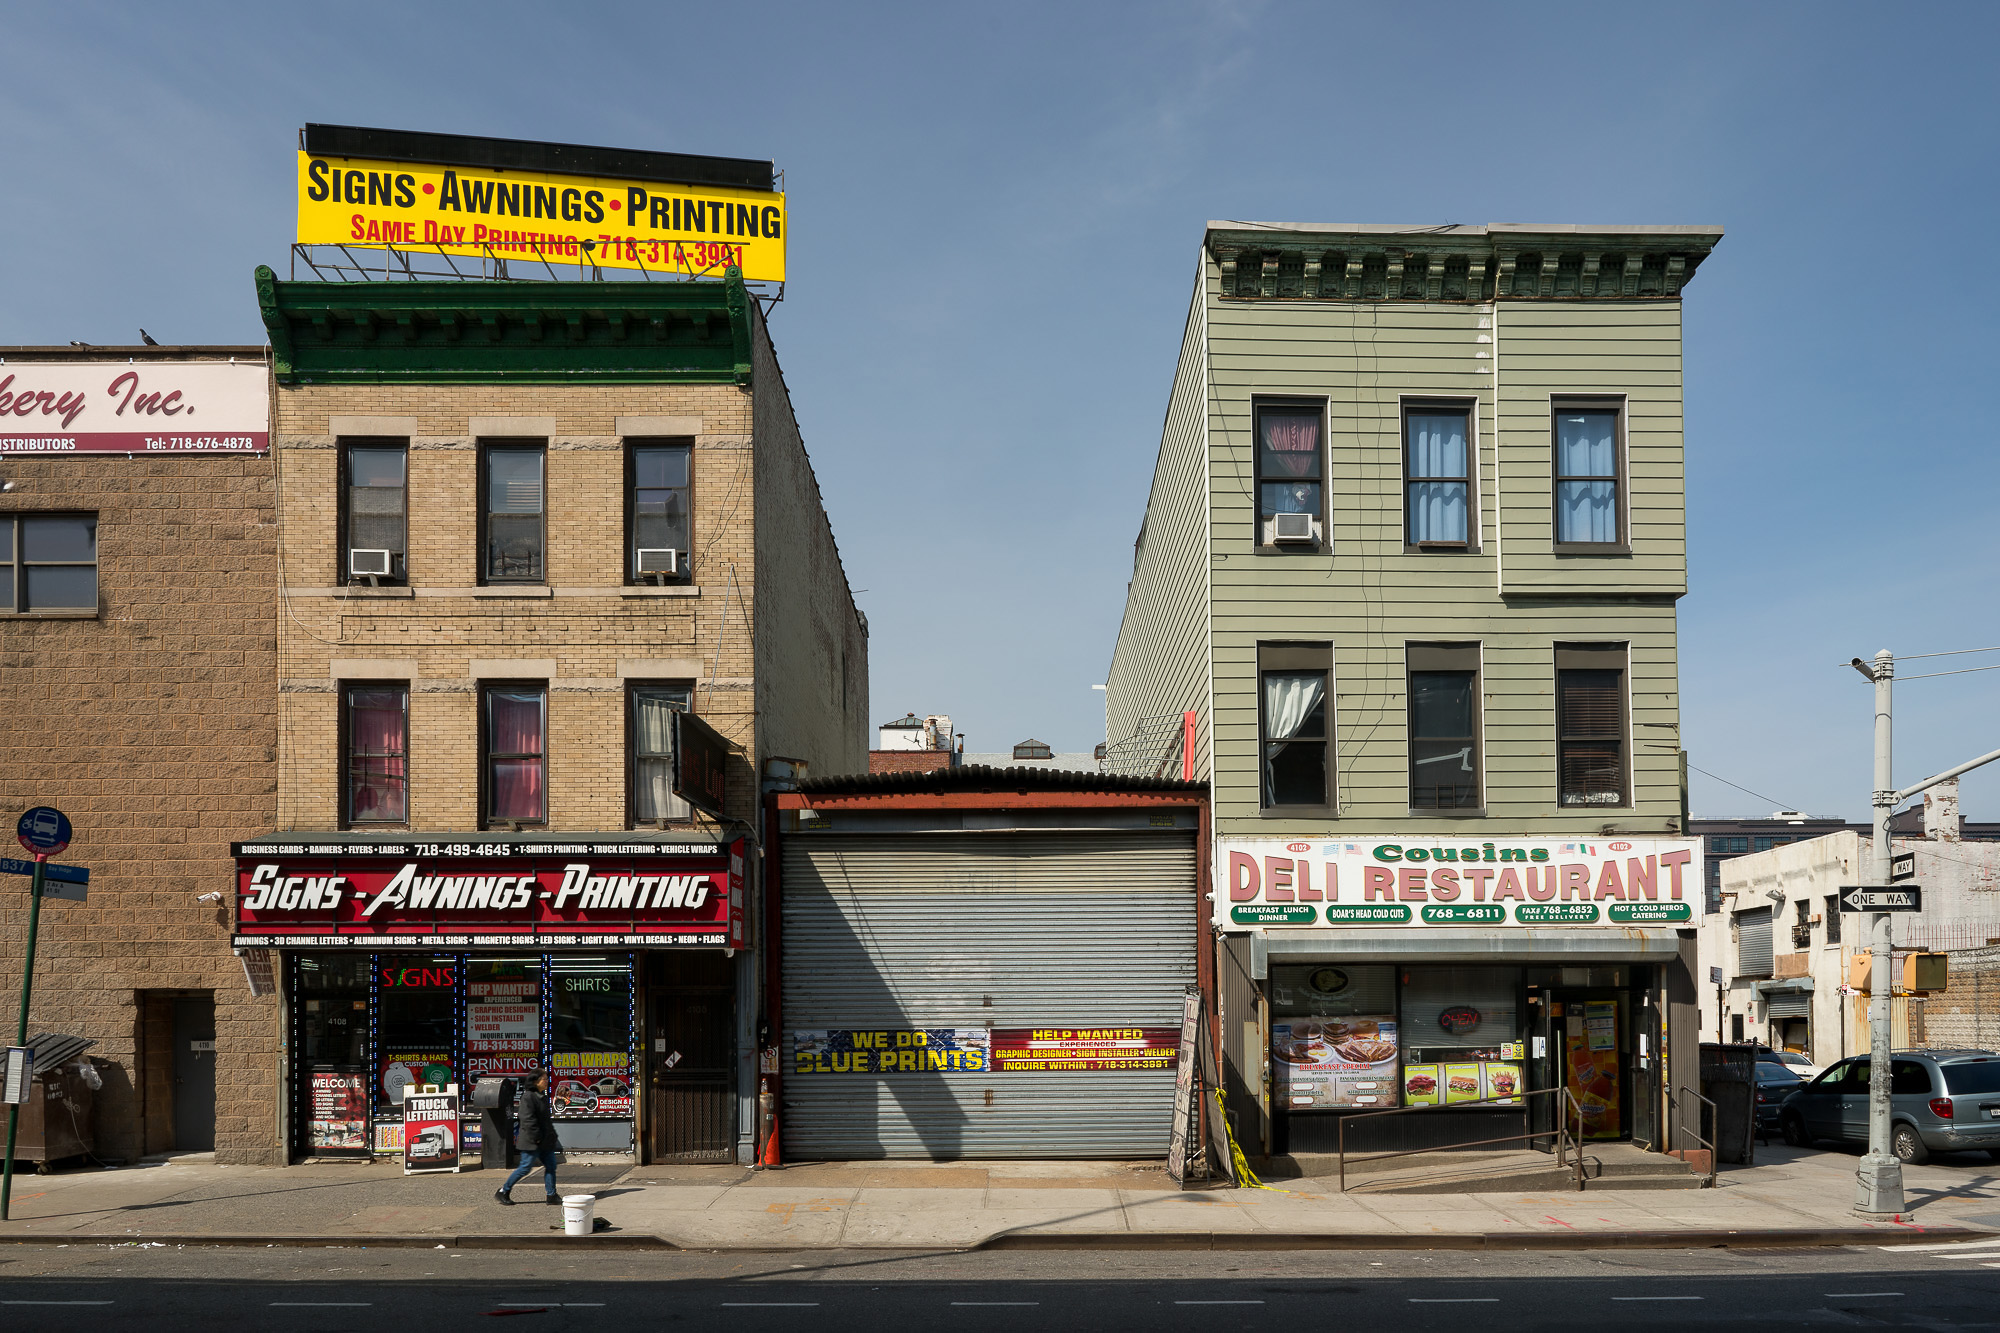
(1365, 594)
(1161, 665)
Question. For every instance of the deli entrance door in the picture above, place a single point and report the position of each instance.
(691, 1059)
(1587, 1048)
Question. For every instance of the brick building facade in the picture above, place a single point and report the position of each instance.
(518, 462)
(149, 717)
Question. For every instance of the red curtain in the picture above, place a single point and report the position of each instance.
(377, 755)
(514, 740)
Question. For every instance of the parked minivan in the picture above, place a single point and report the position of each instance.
(1939, 1101)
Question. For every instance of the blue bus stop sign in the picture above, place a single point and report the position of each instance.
(43, 830)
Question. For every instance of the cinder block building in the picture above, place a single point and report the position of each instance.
(555, 590)
(138, 655)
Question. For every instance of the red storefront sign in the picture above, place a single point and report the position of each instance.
(380, 895)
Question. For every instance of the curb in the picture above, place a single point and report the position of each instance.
(1706, 1239)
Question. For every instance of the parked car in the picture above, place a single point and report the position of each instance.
(1775, 1084)
(1792, 1060)
(1939, 1101)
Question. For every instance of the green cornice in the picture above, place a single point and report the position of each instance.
(520, 332)
(1279, 261)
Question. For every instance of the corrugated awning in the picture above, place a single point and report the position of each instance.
(1785, 985)
(53, 1050)
(1464, 946)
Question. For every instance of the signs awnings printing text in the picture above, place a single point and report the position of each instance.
(505, 213)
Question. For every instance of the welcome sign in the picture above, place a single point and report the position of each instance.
(1272, 883)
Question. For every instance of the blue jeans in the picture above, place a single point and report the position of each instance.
(530, 1156)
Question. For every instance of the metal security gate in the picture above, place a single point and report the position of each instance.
(1753, 943)
(984, 930)
(1788, 1004)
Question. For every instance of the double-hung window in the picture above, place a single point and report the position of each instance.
(48, 564)
(1295, 726)
(375, 511)
(1592, 747)
(1589, 476)
(514, 536)
(375, 735)
(513, 735)
(652, 708)
(1444, 726)
(1438, 460)
(1291, 501)
(658, 514)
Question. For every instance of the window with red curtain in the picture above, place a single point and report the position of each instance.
(378, 730)
(516, 762)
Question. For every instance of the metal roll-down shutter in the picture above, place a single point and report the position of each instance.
(970, 930)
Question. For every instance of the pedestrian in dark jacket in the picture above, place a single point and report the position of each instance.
(535, 1136)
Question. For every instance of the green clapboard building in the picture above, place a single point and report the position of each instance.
(1404, 594)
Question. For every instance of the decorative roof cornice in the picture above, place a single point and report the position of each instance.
(1513, 262)
(524, 332)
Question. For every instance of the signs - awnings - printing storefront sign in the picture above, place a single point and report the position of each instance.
(426, 895)
(1275, 884)
(509, 213)
(134, 407)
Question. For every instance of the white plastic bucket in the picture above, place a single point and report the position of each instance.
(579, 1211)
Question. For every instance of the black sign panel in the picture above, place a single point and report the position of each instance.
(701, 760)
(1902, 866)
(1874, 898)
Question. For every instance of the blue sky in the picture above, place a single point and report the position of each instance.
(996, 212)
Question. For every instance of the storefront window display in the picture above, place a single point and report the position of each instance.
(372, 1028)
(1463, 1034)
(1334, 1036)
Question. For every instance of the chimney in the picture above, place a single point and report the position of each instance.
(1941, 818)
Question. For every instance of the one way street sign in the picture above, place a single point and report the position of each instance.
(1902, 898)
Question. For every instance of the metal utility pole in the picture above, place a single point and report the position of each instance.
(1878, 1189)
(1878, 1184)
(21, 1026)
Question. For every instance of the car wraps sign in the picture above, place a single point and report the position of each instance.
(135, 407)
(590, 1084)
(550, 894)
(1274, 884)
(510, 213)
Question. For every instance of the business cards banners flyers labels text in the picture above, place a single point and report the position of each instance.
(1269, 883)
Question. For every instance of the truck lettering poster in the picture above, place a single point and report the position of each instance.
(430, 1132)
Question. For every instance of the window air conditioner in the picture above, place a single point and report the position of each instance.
(1292, 527)
(658, 560)
(375, 564)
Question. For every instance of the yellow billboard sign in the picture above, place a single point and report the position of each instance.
(500, 213)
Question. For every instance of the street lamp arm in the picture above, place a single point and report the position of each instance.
(1945, 776)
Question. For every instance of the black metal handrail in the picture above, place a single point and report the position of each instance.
(1680, 1123)
(1569, 1151)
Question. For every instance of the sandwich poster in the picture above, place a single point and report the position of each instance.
(1461, 1083)
(1323, 1063)
(1420, 1085)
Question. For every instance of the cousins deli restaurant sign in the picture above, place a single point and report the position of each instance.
(1396, 881)
(432, 895)
(134, 407)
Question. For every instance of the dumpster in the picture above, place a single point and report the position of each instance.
(57, 1119)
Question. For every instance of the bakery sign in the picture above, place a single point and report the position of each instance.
(135, 407)
(429, 895)
(1503, 884)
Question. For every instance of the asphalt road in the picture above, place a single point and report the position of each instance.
(302, 1291)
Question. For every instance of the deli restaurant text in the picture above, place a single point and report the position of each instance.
(464, 196)
(1278, 879)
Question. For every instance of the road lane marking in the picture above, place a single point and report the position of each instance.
(1948, 1245)
(1454, 1300)
(1218, 1302)
(1659, 1298)
(769, 1305)
(321, 1304)
(1857, 1295)
(55, 1302)
(996, 1302)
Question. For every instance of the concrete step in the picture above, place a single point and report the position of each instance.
(1610, 1166)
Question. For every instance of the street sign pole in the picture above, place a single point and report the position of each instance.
(1878, 1183)
(21, 1027)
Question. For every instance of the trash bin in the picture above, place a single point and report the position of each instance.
(57, 1119)
(579, 1214)
(494, 1100)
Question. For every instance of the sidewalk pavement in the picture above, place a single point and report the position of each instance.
(1794, 1197)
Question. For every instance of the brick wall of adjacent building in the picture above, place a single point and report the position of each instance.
(153, 726)
(908, 761)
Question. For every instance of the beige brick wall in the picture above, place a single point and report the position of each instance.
(153, 726)
(593, 629)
